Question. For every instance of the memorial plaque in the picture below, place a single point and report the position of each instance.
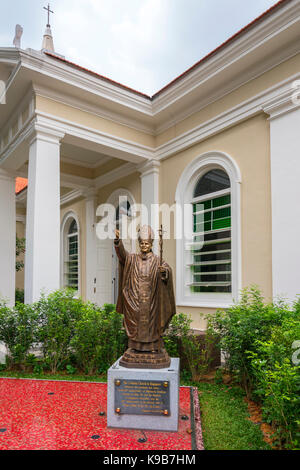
(142, 397)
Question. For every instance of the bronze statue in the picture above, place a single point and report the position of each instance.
(146, 299)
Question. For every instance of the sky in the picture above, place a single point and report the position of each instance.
(143, 44)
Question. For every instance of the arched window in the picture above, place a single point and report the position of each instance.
(211, 253)
(70, 247)
(123, 209)
(208, 271)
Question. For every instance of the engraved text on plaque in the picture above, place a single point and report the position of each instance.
(142, 397)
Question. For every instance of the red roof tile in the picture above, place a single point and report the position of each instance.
(21, 184)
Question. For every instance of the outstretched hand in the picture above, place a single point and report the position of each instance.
(117, 232)
(164, 272)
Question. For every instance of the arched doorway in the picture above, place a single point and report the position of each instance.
(107, 261)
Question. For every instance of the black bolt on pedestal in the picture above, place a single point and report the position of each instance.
(102, 413)
(95, 436)
(184, 418)
(142, 440)
(3, 429)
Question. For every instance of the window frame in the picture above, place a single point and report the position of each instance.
(184, 197)
(65, 227)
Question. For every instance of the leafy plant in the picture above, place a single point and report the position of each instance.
(58, 315)
(20, 249)
(181, 342)
(71, 370)
(18, 327)
(257, 340)
(19, 297)
(99, 339)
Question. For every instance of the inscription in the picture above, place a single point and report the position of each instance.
(142, 397)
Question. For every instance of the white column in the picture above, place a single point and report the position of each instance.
(91, 248)
(285, 187)
(7, 237)
(150, 195)
(42, 257)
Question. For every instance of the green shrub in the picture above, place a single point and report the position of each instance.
(19, 297)
(181, 342)
(238, 328)
(18, 327)
(178, 329)
(278, 380)
(99, 339)
(58, 315)
(257, 339)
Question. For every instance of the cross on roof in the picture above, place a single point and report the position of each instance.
(49, 11)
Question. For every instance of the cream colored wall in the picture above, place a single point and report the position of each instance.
(111, 165)
(76, 170)
(132, 183)
(248, 144)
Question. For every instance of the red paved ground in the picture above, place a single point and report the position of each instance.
(55, 415)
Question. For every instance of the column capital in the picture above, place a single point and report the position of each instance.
(90, 193)
(286, 102)
(45, 133)
(150, 167)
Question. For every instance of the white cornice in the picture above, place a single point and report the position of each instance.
(94, 135)
(288, 101)
(234, 85)
(71, 196)
(262, 102)
(106, 89)
(272, 101)
(82, 163)
(78, 103)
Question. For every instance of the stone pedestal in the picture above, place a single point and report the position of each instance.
(143, 398)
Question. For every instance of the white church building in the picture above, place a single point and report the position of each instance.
(224, 135)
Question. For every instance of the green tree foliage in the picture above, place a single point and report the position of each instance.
(20, 249)
(18, 328)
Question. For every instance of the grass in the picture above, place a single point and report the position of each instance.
(224, 413)
(58, 376)
(225, 423)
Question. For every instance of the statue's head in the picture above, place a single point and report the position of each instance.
(145, 237)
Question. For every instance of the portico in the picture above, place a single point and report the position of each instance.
(64, 162)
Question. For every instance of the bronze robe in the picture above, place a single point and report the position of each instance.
(145, 299)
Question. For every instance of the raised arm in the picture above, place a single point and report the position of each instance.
(119, 247)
